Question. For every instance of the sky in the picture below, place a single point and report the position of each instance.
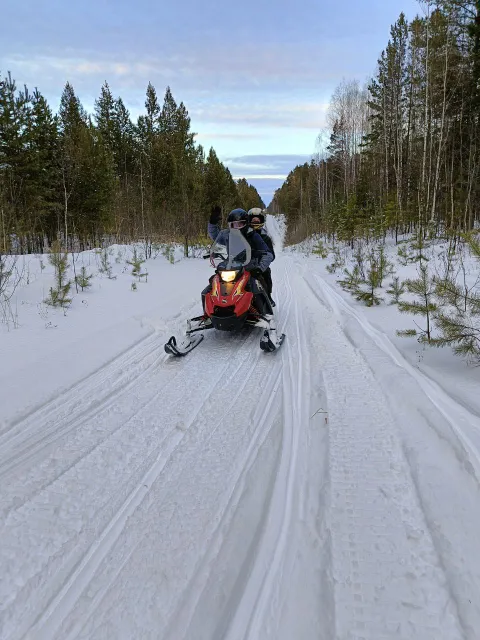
(256, 76)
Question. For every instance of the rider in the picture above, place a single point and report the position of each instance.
(238, 219)
(256, 218)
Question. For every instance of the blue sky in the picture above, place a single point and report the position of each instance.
(255, 76)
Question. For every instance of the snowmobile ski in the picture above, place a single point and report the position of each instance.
(268, 345)
(174, 349)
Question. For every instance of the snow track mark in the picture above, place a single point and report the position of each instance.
(387, 577)
(25, 440)
(75, 508)
(464, 424)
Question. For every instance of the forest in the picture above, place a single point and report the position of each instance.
(401, 154)
(91, 179)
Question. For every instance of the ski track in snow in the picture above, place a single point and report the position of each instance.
(463, 422)
(228, 495)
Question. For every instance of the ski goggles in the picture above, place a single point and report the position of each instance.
(237, 224)
(257, 225)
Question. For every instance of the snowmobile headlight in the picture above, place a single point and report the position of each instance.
(228, 276)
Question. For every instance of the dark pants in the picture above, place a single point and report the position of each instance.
(267, 278)
(206, 290)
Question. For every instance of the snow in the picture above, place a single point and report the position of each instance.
(52, 350)
(328, 491)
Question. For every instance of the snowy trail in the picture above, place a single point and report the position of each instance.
(464, 423)
(228, 495)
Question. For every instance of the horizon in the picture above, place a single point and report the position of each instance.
(259, 96)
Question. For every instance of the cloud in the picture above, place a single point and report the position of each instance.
(271, 170)
(229, 136)
(265, 112)
(75, 67)
(261, 177)
(208, 66)
(192, 80)
(258, 167)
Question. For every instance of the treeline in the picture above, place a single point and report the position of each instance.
(89, 179)
(402, 154)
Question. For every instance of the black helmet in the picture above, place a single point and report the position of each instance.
(238, 219)
(256, 218)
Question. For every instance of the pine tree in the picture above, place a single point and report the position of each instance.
(15, 157)
(458, 316)
(45, 171)
(352, 281)
(396, 290)
(105, 117)
(136, 264)
(105, 265)
(424, 289)
(59, 294)
(83, 279)
(461, 329)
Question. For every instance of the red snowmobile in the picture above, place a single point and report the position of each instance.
(234, 300)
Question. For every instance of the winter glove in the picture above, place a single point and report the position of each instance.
(251, 266)
(256, 272)
(215, 215)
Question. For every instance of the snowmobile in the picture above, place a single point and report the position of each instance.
(235, 299)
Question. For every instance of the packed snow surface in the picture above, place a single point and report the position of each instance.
(329, 491)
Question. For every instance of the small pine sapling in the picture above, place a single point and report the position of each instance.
(424, 289)
(40, 261)
(413, 252)
(404, 256)
(359, 257)
(458, 319)
(363, 288)
(418, 246)
(169, 253)
(383, 265)
(460, 330)
(59, 294)
(473, 241)
(368, 296)
(105, 266)
(156, 249)
(136, 264)
(352, 281)
(396, 290)
(338, 261)
(320, 250)
(83, 279)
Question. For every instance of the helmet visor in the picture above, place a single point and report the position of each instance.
(237, 224)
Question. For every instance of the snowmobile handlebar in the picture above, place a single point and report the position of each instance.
(212, 255)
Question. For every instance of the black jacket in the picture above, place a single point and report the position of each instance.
(268, 241)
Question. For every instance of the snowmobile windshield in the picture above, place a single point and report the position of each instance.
(235, 255)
